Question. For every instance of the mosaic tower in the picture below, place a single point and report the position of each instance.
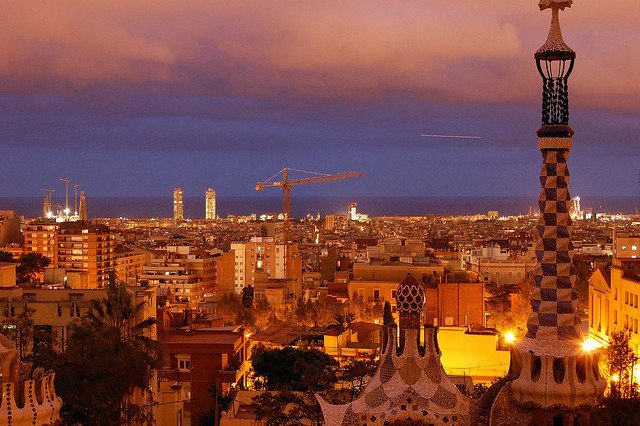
(550, 369)
(410, 385)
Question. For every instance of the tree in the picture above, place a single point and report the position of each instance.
(355, 372)
(5, 257)
(108, 360)
(621, 361)
(229, 306)
(341, 322)
(621, 406)
(509, 306)
(19, 329)
(291, 377)
(30, 265)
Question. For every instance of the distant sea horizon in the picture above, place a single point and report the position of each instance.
(162, 207)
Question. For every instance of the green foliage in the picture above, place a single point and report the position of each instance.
(30, 265)
(287, 408)
(509, 305)
(255, 319)
(5, 257)
(294, 376)
(19, 329)
(341, 321)
(620, 360)
(293, 369)
(108, 358)
(355, 373)
(228, 307)
(621, 406)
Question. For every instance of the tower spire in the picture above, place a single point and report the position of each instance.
(549, 367)
(83, 206)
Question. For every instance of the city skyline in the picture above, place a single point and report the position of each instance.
(216, 94)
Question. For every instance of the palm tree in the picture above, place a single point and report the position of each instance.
(342, 321)
(118, 318)
(110, 358)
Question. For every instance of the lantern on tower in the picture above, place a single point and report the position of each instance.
(554, 61)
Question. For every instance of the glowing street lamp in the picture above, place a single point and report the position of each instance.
(509, 337)
(615, 378)
(590, 344)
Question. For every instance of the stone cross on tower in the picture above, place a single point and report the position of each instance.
(550, 370)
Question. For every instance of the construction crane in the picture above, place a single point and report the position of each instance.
(47, 200)
(66, 199)
(282, 180)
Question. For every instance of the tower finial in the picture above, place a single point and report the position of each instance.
(554, 61)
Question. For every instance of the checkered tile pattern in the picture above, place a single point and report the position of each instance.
(553, 301)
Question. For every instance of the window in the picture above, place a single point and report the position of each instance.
(635, 300)
(626, 297)
(615, 316)
(634, 248)
(635, 325)
(623, 247)
(376, 294)
(184, 364)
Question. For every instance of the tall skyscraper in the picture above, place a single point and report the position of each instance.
(552, 371)
(210, 204)
(353, 211)
(178, 205)
(83, 206)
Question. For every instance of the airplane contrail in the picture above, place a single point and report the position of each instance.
(452, 136)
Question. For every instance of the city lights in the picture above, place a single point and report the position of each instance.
(590, 345)
(509, 337)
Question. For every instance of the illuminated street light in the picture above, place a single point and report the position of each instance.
(509, 337)
(590, 345)
(615, 378)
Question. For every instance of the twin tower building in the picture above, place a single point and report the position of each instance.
(209, 204)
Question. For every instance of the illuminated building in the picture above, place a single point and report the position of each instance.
(550, 372)
(352, 212)
(181, 274)
(129, 263)
(42, 237)
(87, 251)
(574, 208)
(9, 227)
(335, 222)
(626, 245)
(198, 358)
(178, 205)
(614, 293)
(225, 272)
(210, 204)
(262, 259)
(83, 206)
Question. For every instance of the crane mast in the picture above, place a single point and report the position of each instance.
(286, 183)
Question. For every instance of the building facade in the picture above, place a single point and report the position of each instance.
(178, 204)
(210, 204)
